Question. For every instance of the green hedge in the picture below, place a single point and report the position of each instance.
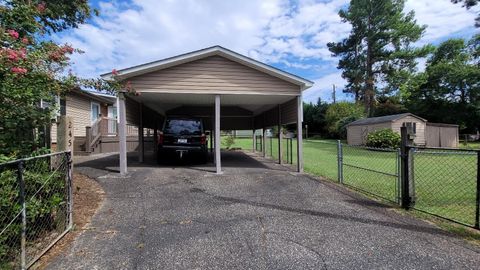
(383, 138)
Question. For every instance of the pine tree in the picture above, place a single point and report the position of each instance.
(378, 54)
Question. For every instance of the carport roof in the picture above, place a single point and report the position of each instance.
(211, 51)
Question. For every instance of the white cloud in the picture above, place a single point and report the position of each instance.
(153, 29)
(442, 17)
(293, 34)
(323, 88)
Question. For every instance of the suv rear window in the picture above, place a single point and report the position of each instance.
(183, 127)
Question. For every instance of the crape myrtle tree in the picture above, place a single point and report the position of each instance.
(34, 69)
(378, 57)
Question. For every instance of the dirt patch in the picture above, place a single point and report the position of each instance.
(87, 198)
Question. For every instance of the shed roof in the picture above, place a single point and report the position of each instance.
(382, 119)
(203, 53)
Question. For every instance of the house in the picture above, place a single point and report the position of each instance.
(94, 118)
(426, 134)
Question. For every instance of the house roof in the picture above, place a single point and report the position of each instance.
(207, 52)
(96, 96)
(382, 119)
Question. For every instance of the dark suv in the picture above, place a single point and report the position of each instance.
(182, 137)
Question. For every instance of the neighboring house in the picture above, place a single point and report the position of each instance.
(426, 134)
(89, 111)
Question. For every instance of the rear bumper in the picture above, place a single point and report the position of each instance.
(182, 148)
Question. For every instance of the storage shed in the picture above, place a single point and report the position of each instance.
(427, 134)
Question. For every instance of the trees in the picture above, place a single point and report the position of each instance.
(340, 114)
(33, 68)
(449, 89)
(379, 49)
(314, 117)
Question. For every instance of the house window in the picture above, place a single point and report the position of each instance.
(411, 125)
(95, 111)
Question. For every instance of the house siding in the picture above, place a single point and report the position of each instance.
(419, 136)
(212, 75)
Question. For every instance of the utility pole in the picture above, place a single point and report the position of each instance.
(334, 94)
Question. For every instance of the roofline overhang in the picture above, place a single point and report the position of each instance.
(126, 73)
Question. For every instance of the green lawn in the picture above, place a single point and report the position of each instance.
(445, 184)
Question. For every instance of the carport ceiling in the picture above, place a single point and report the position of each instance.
(162, 102)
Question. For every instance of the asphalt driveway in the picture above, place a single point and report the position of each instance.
(257, 215)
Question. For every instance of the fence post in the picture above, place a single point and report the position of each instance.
(23, 241)
(340, 161)
(70, 189)
(477, 213)
(405, 168)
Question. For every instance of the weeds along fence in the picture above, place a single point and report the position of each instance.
(441, 182)
(35, 207)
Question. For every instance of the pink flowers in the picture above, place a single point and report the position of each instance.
(14, 56)
(19, 70)
(114, 72)
(14, 34)
(41, 7)
(67, 49)
(25, 41)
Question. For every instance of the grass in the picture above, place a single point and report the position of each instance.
(470, 145)
(445, 182)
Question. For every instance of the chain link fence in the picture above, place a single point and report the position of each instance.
(445, 183)
(438, 181)
(371, 170)
(35, 207)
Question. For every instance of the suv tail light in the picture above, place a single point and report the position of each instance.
(203, 139)
(160, 138)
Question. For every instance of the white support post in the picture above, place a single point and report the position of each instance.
(218, 164)
(280, 146)
(254, 139)
(264, 140)
(299, 135)
(122, 138)
(140, 135)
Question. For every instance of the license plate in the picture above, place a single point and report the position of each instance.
(182, 140)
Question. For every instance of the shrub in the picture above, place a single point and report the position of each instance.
(383, 138)
(228, 141)
(339, 111)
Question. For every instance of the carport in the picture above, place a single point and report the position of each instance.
(227, 90)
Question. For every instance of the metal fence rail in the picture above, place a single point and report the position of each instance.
(35, 207)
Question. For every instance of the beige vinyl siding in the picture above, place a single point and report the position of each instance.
(78, 107)
(289, 111)
(441, 136)
(132, 113)
(419, 136)
(354, 135)
(214, 74)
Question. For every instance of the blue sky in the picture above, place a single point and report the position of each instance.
(290, 35)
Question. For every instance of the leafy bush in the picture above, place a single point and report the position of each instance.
(341, 110)
(383, 138)
(45, 203)
(228, 141)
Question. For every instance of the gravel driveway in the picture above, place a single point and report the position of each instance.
(257, 215)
